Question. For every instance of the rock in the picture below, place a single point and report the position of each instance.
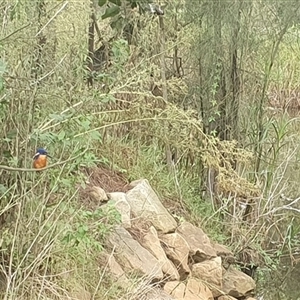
(132, 257)
(226, 297)
(250, 298)
(175, 288)
(210, 272)
(222, 250)
(177, 251)
(145, 204)
(117, 272)
(151, 242)
(98, 194)
(237, 284)
(196, 289)
(122, 206)
(157, 294)
(199, 243)
(226, 255)
(193, 290)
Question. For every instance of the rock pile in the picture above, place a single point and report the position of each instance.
(184, 262)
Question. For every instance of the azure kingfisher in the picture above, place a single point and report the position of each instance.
(40, 158)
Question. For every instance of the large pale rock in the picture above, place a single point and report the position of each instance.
(222, 250)
(98, 194)
(122, 206)
(157, 294)
(175, 288)
(199, 243)
(226, 255)
(197, 290)
(146, 205)
(226, 297)
(210, 272)
(117, 272)
(237, 284)
(194, 289)
(132, 257)
(151, 242)
(177, 251)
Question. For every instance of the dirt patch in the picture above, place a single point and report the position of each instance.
(107, 179)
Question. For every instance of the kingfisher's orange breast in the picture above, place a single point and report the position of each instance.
(40, 162)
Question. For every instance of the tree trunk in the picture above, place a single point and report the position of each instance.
(91, 38)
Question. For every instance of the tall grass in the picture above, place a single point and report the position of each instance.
(49, 240)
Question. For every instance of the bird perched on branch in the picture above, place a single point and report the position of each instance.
(40, 158)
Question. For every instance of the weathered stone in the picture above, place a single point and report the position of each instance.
(250, 298)
(117, 272)
(197, 290)
(122, 206)
(222, 250)
(226, 297)
(98, 194)
(210, 272)
(199, 243)
(151, 242)
(237, 284)
(157, 294)
(177, 251)
(145, 204)
(226, 255)
(175, 288)
(132, 257)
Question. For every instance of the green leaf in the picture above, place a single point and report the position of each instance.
(85, 124)
(61, 135)
(66, 182)
(117, 24)
(7, 154)
(101, 2)
(12, 134)
(111, 12)
(116, 2)
(108, 98)
(2, 67)
(95, 135)
(56, 117)
(3, 189)
(136, 3)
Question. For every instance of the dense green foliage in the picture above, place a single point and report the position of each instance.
(202, 101)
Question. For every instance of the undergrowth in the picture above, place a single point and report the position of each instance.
(51, 242)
